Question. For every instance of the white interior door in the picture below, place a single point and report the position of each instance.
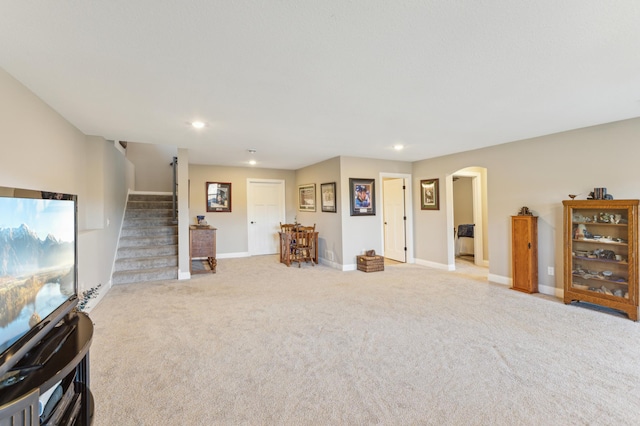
(265, 211)
(394, 220)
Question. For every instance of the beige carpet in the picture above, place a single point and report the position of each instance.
(259, 343)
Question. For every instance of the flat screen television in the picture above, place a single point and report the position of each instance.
(38, 268)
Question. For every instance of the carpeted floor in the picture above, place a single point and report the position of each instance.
(259, 343)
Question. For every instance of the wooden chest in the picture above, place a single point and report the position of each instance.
(370, 263)
(202, 244)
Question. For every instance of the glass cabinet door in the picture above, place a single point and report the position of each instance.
(599, 244)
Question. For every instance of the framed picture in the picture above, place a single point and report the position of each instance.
(429, 194)
(328, 194)
(307, 197)
(362, 193)
(218, 197)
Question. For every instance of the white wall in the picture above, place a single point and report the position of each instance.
(43, 151)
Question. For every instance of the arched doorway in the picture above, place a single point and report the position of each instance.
(478, 207)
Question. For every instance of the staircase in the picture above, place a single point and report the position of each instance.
(148, 247)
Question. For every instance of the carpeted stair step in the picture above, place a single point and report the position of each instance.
(148, 251)
(150, 197)
(144, 222)
(149, 205)
(144, 275)
(139, 263)
(148, 241)
(148, 231)
(138, 213)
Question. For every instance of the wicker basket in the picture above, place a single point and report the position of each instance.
(370, 263)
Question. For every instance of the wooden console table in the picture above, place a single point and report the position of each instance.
(285, 248)
(202, 244)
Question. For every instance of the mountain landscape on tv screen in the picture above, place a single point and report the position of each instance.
(22, 252)
(29, 264)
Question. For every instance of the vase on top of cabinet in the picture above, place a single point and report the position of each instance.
(600, 253)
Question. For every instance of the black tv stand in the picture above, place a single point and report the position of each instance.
(48, 347)
(62, 356)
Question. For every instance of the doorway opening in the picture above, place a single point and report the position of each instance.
(467, 218)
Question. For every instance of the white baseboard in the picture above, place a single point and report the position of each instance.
(551, 291)
(184, 275)
(499, 279)
(232, 255)
(430, 264)
(333, 265)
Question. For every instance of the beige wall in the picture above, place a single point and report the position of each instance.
(329, 225)
(462, 201)
(364, 232)
(342, 237)
(538, 173)
(43, 151)
(232, 234)
(154, 172)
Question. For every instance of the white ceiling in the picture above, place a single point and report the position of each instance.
(302, 81)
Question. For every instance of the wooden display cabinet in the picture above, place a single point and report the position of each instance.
(600, 253)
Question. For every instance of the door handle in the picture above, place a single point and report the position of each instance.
(529, 243)
(252, 222)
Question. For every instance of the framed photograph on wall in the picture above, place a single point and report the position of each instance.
(362, 194)
(219, 197)
(328, 197)
(429, 194)
(307, 197)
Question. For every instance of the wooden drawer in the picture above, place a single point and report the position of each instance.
(202, 243)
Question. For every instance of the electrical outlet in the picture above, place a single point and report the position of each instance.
(551, 270)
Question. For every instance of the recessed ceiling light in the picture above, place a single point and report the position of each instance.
(198, 124)
(252, 162)
(398, 147)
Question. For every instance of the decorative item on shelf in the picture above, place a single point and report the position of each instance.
(573, 196)
(580, 232)
(599, 194)
(370, 253)
(201, 222)
(524, 211)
